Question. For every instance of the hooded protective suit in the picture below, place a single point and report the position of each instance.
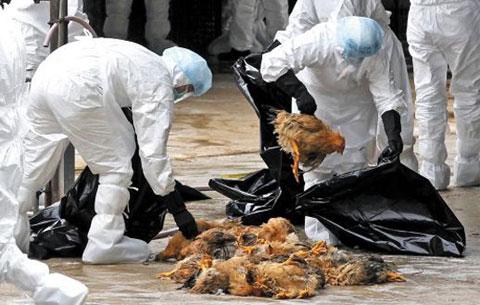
(77, 95)
(156, 28)
(445, 33)
(349, 97)
(32, 19)
(15, 267)
(308, 13)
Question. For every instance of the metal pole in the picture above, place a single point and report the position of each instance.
(65, 174)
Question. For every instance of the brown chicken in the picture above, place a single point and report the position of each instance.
(269, 261)
(187, 268)
(343, 269)
(307, 138)
(232, 276)
(178, 242)
(276, 229)
(365, 271)
(290, 279)
(216, 242)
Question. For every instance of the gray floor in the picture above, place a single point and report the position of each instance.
(217, 136)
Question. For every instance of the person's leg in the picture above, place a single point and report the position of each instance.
(221, 44)
(461, 42)
(430, 73)
(15, 268)
(116, 22)
(157, 27)
(241, 29)
(43, 145)
(102, 135)
(276, 15)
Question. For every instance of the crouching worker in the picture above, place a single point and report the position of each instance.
(77, 95)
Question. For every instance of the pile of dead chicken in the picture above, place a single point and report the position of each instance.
(267, 261)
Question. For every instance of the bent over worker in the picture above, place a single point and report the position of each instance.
(77, 95)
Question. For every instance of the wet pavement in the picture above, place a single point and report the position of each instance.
(215, 136)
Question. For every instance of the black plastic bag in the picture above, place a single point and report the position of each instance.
(248, 194)
(53, 236)
(388, 208)
(266, 99)
(144, 216)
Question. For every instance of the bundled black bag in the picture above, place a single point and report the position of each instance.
(388, 208)
(53, 236)
(266, 99)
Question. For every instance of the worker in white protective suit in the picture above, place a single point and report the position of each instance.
(77, 95)
(345, 81)
(308, 13)
(441, 34)
(15, 268)
(33, 20)
(157, 26)
(242, 28)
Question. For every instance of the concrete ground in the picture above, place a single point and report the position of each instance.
(216, 135)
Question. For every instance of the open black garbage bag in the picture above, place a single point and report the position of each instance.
(53, 236)
(388, 208)
(266, 99)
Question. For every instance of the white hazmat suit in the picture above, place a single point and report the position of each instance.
(157, 26)
(77, 95)
(29, 275)
(350, 98)
(441, 34)
(308, 13)
(32, 19)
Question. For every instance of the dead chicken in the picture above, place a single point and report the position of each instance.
(178, 242)
(231, 276)
(270, 261)
(293, 278)
(365, 271)
(344, 269)
(307, 138)
(216, 242)
(187, 268)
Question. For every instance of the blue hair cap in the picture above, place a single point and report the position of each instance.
(194, 66)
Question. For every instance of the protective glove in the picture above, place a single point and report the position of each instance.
(184, 220)
(393, 128)
(291, 86)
